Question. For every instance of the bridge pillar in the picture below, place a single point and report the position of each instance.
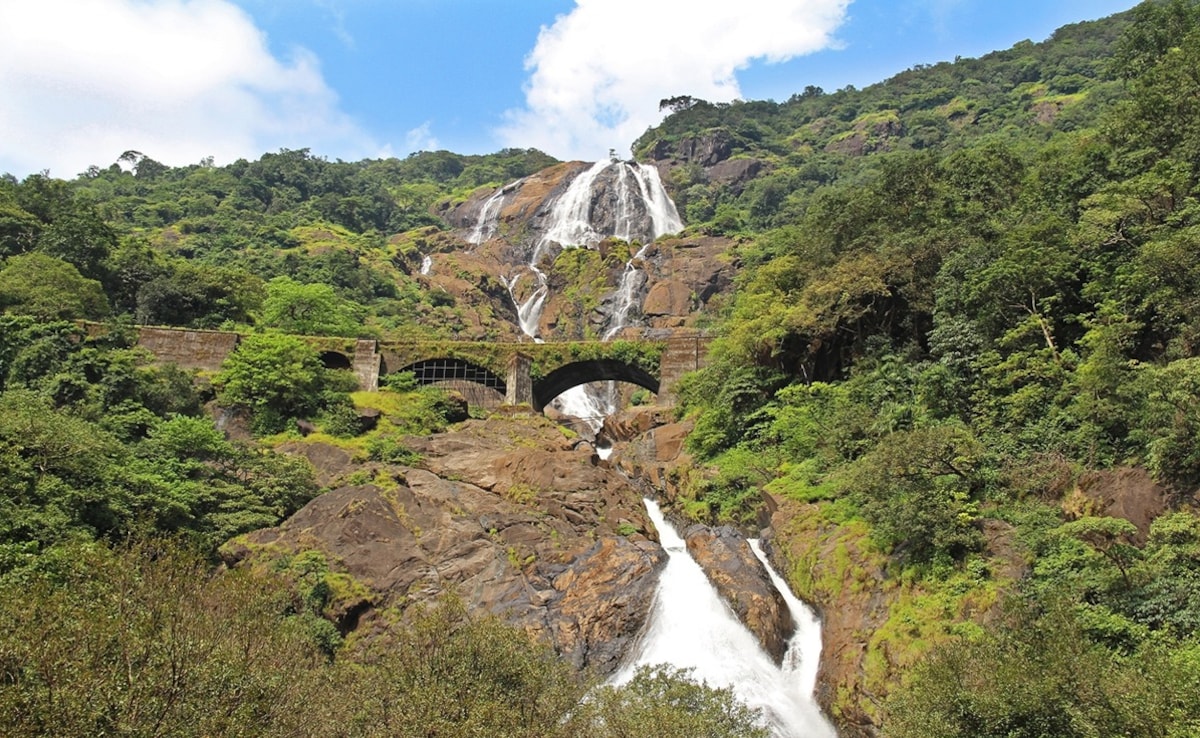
(366, 364)
(518, 384)
(684, 353)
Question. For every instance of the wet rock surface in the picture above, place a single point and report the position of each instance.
(505, 513)
(851, 610)
(743, 582)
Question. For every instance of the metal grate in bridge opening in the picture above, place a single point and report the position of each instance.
(441, 370)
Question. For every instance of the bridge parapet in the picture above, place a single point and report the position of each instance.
(544, 358)
(187, 348)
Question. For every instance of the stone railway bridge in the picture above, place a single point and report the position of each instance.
(488, 373)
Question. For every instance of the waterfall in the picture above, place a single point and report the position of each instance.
(640, 209)
(664, 218)
(804, 650)
(631, 280)
(691, 627)
(426, 264)
(570, 222)
(529, 312)
(663, 215)
(489, 215)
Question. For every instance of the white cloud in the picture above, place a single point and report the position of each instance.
(81, 81)
(421, 138)
(598, 73)
(338, 15)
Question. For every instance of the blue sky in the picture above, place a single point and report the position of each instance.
(82, 81)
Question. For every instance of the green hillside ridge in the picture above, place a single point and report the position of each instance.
(966, 313)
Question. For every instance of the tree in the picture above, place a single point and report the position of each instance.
(196, 294)
(668, 703)
(309, 309)
(18, 229)
(918, 488)
(275, 377)
(49, 288)
(678, 103)
(145, 642)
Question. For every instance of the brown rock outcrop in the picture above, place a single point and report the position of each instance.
(736, 172)
(743, 582)
(684, 273)
(505, 513)
(1126, 492)
(706, 149)
(648, 447)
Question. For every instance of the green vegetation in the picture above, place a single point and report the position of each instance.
(966, 288)
(290, 241)
(279, 378)
(98, 444)
(143, 641)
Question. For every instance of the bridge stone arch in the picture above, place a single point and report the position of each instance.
(481, 386)
(591, 370)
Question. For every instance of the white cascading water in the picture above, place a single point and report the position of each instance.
(489, 216)
(665, 219)
(529, 313)
(426, 265)
(570, 225)
(690, 627)
(570, 222)
(626, 294)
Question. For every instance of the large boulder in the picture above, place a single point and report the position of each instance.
(506, 514)
(743, 582)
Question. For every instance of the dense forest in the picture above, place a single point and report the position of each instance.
(963, 291)
(970, 287)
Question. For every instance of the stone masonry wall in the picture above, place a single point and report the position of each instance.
(189, 349)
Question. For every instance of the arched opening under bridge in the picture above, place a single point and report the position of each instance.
(336, 360)
(480, 386)
(585, 372)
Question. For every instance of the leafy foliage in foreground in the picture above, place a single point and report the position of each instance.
(146, 640)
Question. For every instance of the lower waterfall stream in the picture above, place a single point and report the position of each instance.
(690, 627)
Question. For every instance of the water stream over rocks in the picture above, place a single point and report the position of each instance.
(690, 627)
(610, 198)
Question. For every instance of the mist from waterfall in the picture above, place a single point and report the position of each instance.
(691, 627)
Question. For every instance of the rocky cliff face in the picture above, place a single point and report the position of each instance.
(712, 154)
(484, 264)
(507, 513)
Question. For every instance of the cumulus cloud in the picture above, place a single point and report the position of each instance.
(82, 81)
(598, 73)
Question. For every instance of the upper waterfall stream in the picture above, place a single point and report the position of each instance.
(622, 199)
(690, 627)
